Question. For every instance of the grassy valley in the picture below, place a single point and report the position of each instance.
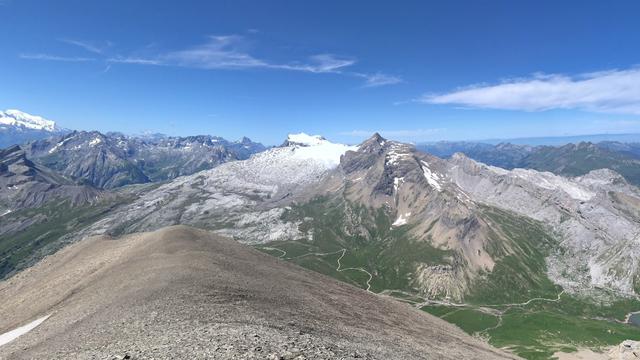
(516, 306)
(43, 230)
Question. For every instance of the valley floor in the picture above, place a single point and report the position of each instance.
(537, 328)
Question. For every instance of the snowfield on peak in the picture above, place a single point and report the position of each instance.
(327, 154)
(316, 148)
(18, 118)
(305, 139)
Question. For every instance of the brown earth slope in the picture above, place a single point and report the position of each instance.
(181, 292)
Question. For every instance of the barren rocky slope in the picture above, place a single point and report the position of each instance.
(25, 184)
(186, 293)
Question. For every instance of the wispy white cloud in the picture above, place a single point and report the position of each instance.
(134, 60)
(226, 52)
(229, 52)
(379, 79)
(321, 63)
(88, 45)
(48, 57)
(219, 52)
(611, 91)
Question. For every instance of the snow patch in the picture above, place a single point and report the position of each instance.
(397, 153)
(433, 178)
(58, 145)
(396, 183)
(14, 334)
(95, 141)
(402, 219)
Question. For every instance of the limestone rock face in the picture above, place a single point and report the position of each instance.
(628, 350)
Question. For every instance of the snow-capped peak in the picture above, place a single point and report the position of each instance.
(305, 139)
(316, 148)
(22, 119)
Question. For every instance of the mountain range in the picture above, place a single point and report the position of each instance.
(569, 160)
(113, 160)
(508, 253)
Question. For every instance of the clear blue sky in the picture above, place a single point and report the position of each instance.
(414, 70)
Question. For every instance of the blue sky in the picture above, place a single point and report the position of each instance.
(413, 70)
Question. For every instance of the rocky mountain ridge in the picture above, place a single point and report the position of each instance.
(113, 160)
(573, 159)
(25, 184)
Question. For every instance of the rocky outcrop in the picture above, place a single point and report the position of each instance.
(628, 350)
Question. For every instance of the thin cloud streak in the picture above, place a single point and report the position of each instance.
(86, 45)
(611, 91)
(219, 52)
(134, 60)
(378, 79)
(227, 52)
(321, 63)
(48, 57)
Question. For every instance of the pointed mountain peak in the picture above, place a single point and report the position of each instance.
(377, 137)
(373, 144)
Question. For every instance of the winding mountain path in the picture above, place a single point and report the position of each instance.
(339, 269)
